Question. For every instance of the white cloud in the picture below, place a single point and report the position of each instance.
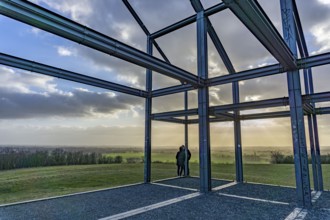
(35, 30)
(113, 19)
(65, 51)
(23, 82)
(252, 98)
(40, 97)
(321, 33)
(325, 2)
(77, 10)
(130, 79)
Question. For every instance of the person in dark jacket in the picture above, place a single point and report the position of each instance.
(180, 160)
(187, 158)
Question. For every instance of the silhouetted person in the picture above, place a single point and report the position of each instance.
(188, 156)
(180, 160)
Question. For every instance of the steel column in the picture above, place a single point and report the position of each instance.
(203, 105)
(296, 111)
(197, 5)
(186, 132)
(237, 135)
(148, 109)
(317, 154)
(312, 147)
(309, 89)
(312, 119)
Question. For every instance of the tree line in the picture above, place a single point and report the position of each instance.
(277, 157)
(19, 158)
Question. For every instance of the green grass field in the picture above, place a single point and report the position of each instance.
(32, 183)
(168, 156)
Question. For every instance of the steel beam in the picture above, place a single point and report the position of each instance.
(144, 28)
(148, 120)
(180, 24)
(172, 90)
(312, 61)
(203, 106)
(68, 75)
(255, 19)
(251, 105)
(172, 120)
(266, 115)
(255, 116)
(323, 111)
(317, 97)
(44, 19)
(224, 114)
(303, 63)
(224, 109)
(179, 113)
(296, 111)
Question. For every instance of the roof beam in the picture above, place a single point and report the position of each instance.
(144, 28)
(44, 19)
(255, 19)
(299, 32)
(180, 24)
(197, 5)
(68, 75)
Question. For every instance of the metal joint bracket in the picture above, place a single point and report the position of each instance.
(308, 108)
(301, 64)
(85, 33)
(115, 50)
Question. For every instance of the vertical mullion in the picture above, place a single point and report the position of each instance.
(203, 105)
(296, 111)
(148, 109)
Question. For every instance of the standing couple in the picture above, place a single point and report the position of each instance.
(182, 160)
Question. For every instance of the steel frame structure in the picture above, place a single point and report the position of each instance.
(251, 14)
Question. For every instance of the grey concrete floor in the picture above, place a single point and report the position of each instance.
(240, 201)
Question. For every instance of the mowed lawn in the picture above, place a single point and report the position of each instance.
(33, 183)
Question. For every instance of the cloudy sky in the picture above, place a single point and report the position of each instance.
(41, 110)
